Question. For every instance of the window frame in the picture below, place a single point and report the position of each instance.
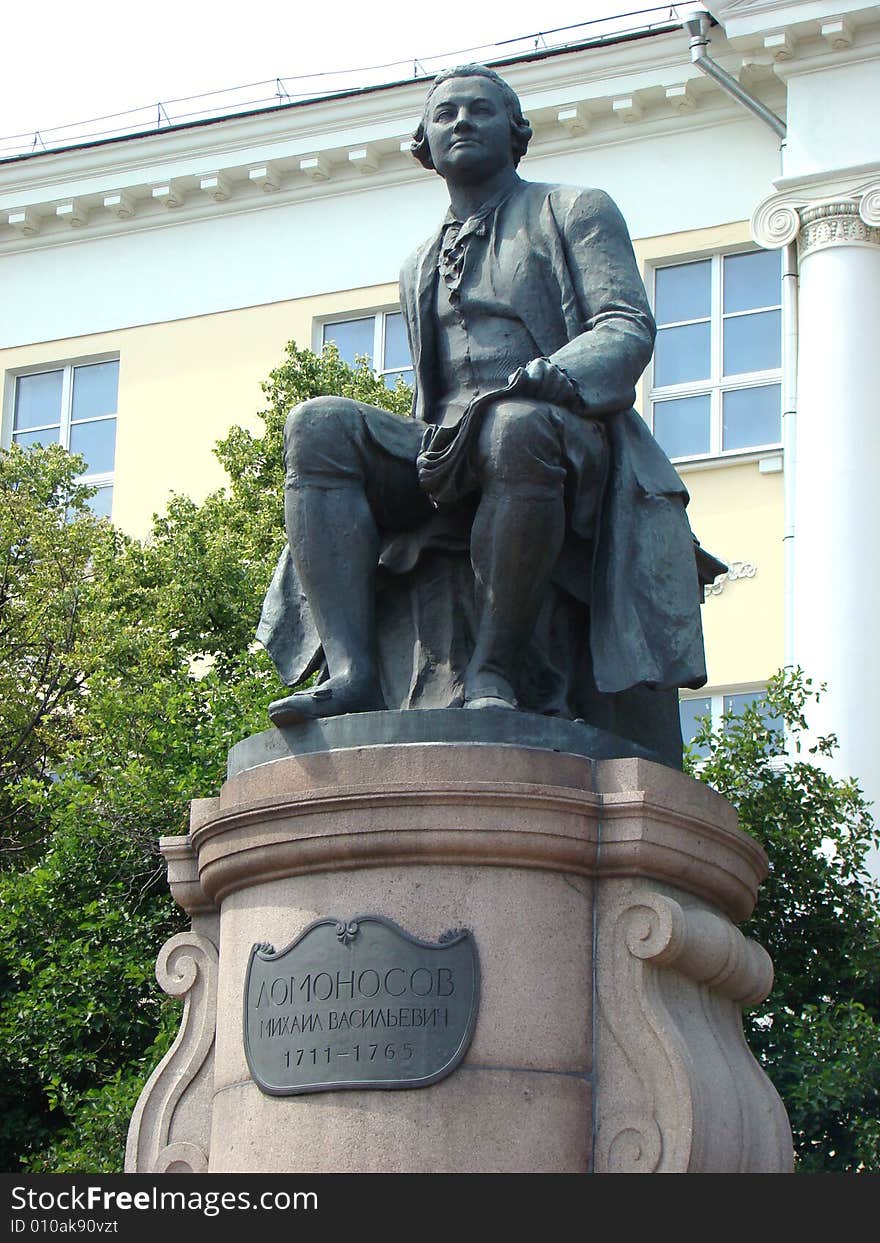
(379, 316)
(717, 383)
(92, 479)
(716, 698)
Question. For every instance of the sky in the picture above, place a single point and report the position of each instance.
(67, 63)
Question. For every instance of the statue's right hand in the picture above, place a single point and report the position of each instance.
(540, 378)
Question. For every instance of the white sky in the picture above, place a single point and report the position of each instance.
(66, 62)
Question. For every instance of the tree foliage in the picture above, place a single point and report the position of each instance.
(818, 1033)
(46, 540)
(129, 669)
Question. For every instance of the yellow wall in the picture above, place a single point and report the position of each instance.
(736, 513)
(183, 384)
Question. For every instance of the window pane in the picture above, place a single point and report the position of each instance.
(751, 416)
(38, 400)
(102, 502)
(391, 377)
(681, 354)
(752, 280)
(396, 344)
(736, 704)
(682, 425)
(682, 292)
(689, 710)
(94, 390)
(48, 436)
(752, 342)
(352, 337)
(97, 444)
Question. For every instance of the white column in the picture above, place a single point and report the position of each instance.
(834, 595)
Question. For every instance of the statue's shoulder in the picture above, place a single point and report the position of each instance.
(565, 200)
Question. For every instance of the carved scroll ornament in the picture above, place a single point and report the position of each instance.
(170, 1126)
(680, 1090)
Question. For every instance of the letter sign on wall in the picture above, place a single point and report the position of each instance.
(359, 1004)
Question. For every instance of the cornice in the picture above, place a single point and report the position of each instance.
(851, 179)
(560, 69)
(754, 19)
(578, 100)
(862, 45)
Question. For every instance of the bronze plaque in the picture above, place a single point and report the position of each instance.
(359, 1004)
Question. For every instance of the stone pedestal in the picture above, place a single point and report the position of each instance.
(602, 896)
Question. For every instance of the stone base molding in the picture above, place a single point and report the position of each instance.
(602, 897)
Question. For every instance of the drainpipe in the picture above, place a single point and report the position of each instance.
(697, 25)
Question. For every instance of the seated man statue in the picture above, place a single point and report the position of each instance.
(524, 461)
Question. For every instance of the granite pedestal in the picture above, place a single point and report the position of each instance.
(602, 891)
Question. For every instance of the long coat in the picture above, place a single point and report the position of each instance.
(563, 260)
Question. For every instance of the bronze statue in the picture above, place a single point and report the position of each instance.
(521, 541)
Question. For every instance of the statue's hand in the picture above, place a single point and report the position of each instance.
(540, 378)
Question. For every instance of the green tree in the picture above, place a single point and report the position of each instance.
(818, 1033)
(129, 669)
(47, 535)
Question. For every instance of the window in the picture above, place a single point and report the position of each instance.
(716, 375)
(690, 711)
(381, 337)
(716, 707)
(74, 406)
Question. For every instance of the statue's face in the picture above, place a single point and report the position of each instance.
(468, 130)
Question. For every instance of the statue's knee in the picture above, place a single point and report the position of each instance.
(519, 442)
(317, 425)
(312, 414)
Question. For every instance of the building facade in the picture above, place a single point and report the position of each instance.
(152, 281)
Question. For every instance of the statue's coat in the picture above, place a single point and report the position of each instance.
(563, 261)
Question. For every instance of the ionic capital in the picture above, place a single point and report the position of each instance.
(820, 218)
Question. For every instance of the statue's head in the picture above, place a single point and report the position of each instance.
(520, 130)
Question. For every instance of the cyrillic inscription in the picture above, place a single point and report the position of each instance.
(359, 1004)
